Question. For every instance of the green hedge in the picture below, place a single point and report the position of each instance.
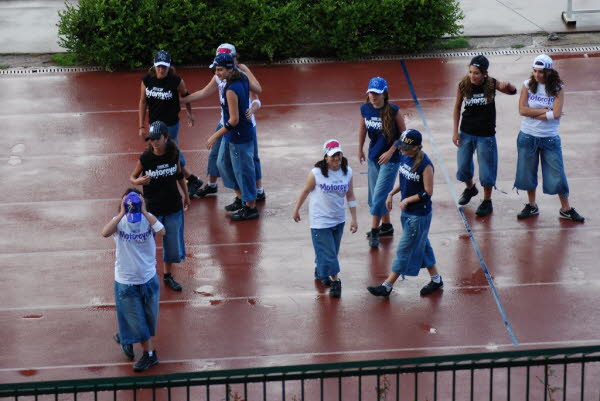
(125, 33)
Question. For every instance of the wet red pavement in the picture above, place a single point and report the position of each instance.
(249, 298)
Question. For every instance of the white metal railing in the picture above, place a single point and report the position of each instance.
(569, 15)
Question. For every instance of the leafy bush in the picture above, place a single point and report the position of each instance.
(126, 33)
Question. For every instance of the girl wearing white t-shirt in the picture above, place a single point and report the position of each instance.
(136, 284)
(328, 183)
(540, 104)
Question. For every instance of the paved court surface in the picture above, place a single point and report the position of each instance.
(249, 298)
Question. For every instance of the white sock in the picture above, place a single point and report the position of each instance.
(436, 279)
(212, 184)
(150, 353)
(260, 190)
(387, 285)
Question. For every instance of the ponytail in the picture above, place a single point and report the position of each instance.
(418, 159)
(388, 119)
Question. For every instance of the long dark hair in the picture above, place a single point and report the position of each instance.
(152, 71)
(388, 122)
(551, 79)
(489, 88)
(171, 151)
(322, 165)
(235, 75)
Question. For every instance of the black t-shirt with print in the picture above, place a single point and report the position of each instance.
(161, 194)
(162, 97)
(479, 116)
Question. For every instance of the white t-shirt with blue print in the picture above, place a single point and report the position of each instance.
(135, 261)
(539, 100)
(327, 199)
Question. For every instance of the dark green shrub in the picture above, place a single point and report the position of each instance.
(126, 33)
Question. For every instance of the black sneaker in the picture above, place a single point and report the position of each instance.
(171, 283)
(261, 197)
(205, 190)
(245, 213)
(336, 289)
(380, 291)
(236, 205)
(325, 281)
(431, 287)
(528, 211)
(193, 184)
(467, 194)
(485, 208)
(571, 214)
(385, 230)
(146, 361)
(374, 238)
(126, 348)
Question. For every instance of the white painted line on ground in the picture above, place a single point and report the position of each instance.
(199, 361)
(306, 104)
(202, 301)
(587, 227)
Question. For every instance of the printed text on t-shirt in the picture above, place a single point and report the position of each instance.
(137, 237)
(159, 93)
(374, 123)
(334, 187)
(409, 175)
(162, 170)
(477, 100)
(548, 100)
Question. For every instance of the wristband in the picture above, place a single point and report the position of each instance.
(156, 227)
(550, 115)
(424, 195)
(352, 203)
(143, 126)
(257, 101)
(228, 126)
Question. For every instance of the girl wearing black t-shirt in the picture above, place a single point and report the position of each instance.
(477, 132)
(159, 171)
(160, 90)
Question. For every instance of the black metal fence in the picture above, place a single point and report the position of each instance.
(540, 374)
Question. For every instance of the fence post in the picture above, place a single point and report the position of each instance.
(568, 16)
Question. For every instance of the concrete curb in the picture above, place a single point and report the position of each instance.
(526, 43)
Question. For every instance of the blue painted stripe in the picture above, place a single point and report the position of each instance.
(450, 184)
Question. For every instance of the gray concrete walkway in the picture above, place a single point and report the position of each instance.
(510, 17)
(30, 26)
